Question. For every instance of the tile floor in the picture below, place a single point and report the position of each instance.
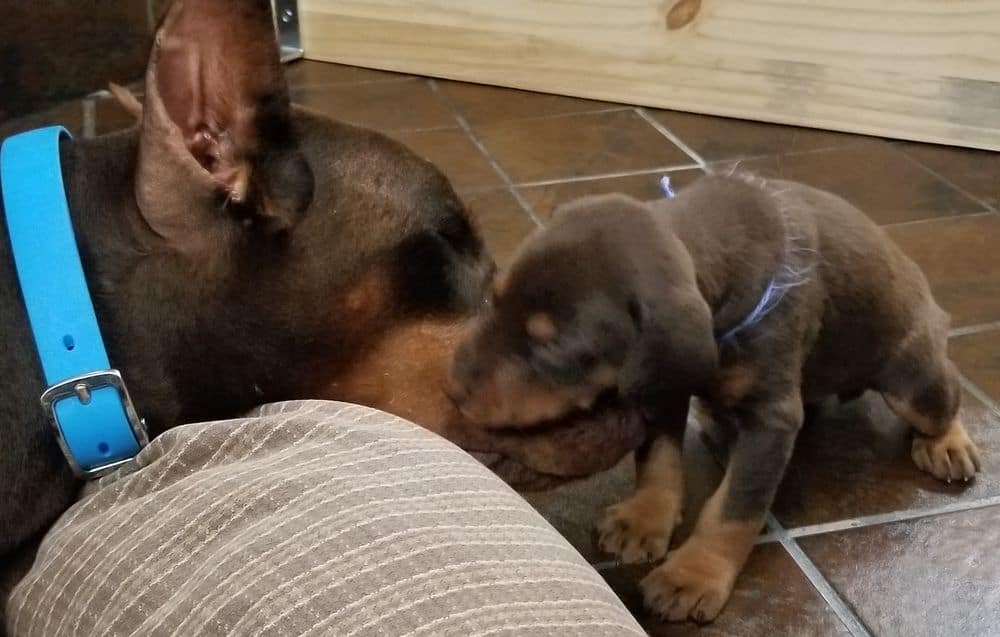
(859, 542)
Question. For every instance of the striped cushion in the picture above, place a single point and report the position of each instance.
(309, 518)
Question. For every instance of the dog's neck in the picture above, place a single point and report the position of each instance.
(734, 259)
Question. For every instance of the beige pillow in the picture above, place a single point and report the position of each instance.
(309, 518)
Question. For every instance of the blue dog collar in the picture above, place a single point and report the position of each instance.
(86, 401)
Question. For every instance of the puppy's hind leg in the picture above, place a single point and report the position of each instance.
(921, 386)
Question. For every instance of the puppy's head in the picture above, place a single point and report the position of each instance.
(554, 334)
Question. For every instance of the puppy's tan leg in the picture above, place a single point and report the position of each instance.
(698, 577)
(922, 388)
(639, 528)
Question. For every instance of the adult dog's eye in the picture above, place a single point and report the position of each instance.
(456, 229)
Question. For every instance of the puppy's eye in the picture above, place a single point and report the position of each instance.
(635, 310)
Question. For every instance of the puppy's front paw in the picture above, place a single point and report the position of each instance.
(694, 582)
(639, 529)
(950, 456)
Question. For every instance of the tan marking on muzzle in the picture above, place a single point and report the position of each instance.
(541, 327)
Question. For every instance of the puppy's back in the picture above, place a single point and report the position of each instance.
(874, 298)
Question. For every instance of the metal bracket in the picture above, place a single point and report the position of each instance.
(286, 22)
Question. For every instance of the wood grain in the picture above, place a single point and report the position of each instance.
(920, 70)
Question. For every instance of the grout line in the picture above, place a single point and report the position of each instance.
(596, 111)
(948, 217)
(535, 118)
(425, 129)
(739, 159)
(626, 173)
(526, 206)
(464, 125)
(342, 83)
(663, 130)
(89, 117)
(767, 538)
(826, 590)
(953, 185)
(982, 396)
(479, 190)
(974, 329)
(890, 518)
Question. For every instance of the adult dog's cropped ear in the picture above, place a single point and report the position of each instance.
(216, 125)
(676, 356)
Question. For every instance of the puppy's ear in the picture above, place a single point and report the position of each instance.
(676, 356)
(216, 124)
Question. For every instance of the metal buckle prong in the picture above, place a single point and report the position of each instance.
(81, 387)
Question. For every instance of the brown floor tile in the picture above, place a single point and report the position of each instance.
(645, 187)
(501, 219)
(303, 73)
(876, 177)
(718, 138)
(978, 357)
(380, 105)
(453, 152)
(69, 114)
(578, 145)
(109, 116)
(481, 104)
(855, 461)
(928, 577)
(772, 597)
(961, 261)
(974, 171)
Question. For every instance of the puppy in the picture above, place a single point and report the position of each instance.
(758, 297)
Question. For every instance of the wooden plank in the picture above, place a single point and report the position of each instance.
(912, 69)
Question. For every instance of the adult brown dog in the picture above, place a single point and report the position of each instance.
(758, 297)
(240, 251)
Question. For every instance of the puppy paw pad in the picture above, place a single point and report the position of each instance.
(951, 456)
(676, 592)
(639, 529)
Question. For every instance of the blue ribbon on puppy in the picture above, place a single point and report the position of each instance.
(666, 187)
(787, 278)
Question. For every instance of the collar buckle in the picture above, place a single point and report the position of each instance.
(87, 401)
